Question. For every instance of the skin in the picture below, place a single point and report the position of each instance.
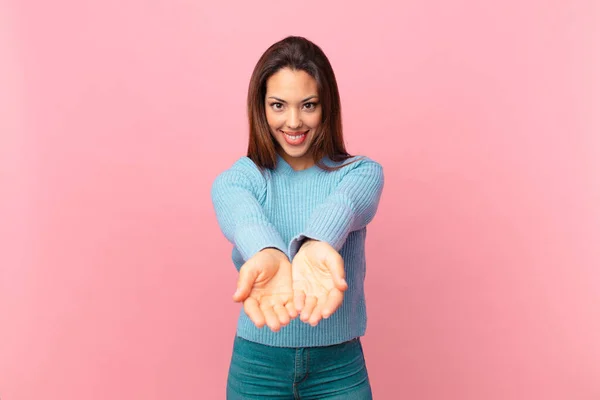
(264, 286)
(318, 281)
(292, 106)
(273, 290)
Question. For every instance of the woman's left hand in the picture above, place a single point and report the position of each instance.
(318, 280)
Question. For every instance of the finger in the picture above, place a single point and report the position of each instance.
(309, 306)
(282, 314)
(253, 312)
(246, 279)
(291, 309)
(316, 315)
(271, 318)
(334, 301)
(299, 299)
(335, 264)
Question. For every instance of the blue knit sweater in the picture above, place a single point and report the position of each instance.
(281, 207)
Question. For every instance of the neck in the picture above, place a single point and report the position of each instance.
(298, 163)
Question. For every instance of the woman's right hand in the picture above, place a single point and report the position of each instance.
(265, 287)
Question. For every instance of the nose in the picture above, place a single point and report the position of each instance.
(293, 121)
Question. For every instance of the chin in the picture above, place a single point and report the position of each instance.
(295, 153)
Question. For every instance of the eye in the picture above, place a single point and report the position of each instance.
(310, 106)
(276, 106)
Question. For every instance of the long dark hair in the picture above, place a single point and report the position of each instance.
(296, 53)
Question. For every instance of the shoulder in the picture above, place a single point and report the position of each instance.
(243, 172)
(244, 165)
(362, 160)
(360, 164)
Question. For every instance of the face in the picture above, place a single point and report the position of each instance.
(293, 113)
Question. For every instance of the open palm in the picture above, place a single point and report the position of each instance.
(318, 281)
(265, 288)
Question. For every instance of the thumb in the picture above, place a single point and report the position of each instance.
(245, 281)
(335, 264)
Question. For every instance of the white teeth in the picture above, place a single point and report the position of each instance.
(294, 137)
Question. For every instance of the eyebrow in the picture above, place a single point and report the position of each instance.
(283, 101)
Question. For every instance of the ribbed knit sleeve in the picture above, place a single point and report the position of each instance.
(236, 195)
(350, 207)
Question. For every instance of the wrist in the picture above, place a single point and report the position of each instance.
(274, 251)
(306, 242)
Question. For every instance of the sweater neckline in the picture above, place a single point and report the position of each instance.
(283, 166)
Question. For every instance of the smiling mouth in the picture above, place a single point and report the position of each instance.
(294, 135)
(296, 138)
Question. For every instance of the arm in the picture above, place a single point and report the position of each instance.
(236, 195)
(350, 207)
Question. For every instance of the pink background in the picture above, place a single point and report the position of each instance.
(483, 261)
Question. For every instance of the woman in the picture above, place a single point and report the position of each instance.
(296, 210)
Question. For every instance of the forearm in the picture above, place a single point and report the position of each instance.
(350, 207)
(241, 216)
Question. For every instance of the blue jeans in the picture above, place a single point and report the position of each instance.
(335, 372)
